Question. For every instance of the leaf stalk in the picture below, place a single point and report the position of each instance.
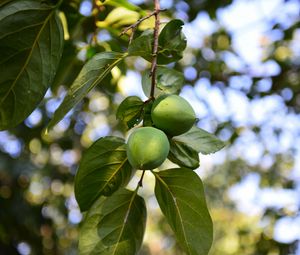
(140, 183)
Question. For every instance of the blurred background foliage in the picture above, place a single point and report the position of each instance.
(242, 77)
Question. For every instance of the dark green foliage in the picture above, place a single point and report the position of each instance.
(171, 42)
(31, 44)
(130, 111)
(103, 169)
(183, 155)
(142, 46)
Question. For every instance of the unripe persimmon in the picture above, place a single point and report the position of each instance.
(147, 148)
(172, 114)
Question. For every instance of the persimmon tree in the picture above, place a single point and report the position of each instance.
(163, 126)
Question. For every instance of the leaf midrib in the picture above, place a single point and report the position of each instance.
(29, 9)
(20, 29)
(116, 59)
(100, 77)
(29, 56)
(115, 172)
(74, 99)
(110, 178)
(179, 214)
(206, 142)
(92, 158)
(125, 221)
(106, 165)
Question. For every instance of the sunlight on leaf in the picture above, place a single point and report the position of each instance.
(90, 76)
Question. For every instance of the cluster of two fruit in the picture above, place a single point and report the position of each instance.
(148, 147)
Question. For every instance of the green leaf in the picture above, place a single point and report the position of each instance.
(171, 42)
(183, 155)
(4, 2)
(102, 170)
(201, 141)
(31, 44)
(130, 111)
(114, 226)
(169, 81)
(142, 45)
(91, 75)
(181, 198)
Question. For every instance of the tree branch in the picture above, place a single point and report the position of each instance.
(155, 48)
(154, 59)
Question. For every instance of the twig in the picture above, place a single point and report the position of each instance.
(155, 49)
(154, 59)
(136, 24)
(140, 183)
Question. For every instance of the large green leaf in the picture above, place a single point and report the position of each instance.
(201, 141)
(114, 226)
(102, 170)
(130, 111)
(183, 155)
(91, 75)
(4, 2)
(142, 46)
(31, 44)
(169, 81)
(171, 42)
(181, 198)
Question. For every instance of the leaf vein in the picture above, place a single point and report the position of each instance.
(28, 57)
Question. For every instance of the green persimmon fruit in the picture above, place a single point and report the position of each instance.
(173, 114)
(147, 148)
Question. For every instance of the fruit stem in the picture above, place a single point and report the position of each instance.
(155, 48)
(140, 183)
